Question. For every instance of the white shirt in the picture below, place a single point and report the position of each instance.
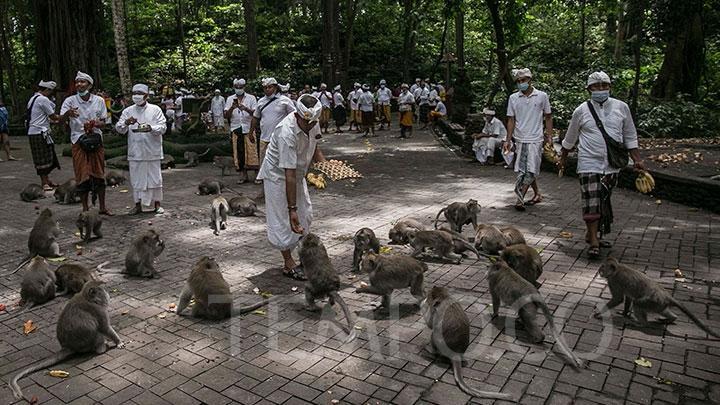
(143, 145)
(92, 109)
(325, 98)
(529, 112)
(440, 107)
(272, 114)
(241, 118)
(40, 114)
(421, 95)
(413, 88)
(495, 128)
(353, 97)
(178, 104)
(338, 99)
(289, 148)
(365, 101)
(592, 151)
(405, 101)
(384, 95)
(217, 105)
(433, 98)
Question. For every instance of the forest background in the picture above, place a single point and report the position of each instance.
(663, 55)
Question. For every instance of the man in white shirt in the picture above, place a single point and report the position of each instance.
(293, 148)
(42, 146)
(239, 109)
(384, 95)
(326, 99)
(490, 139)
(85, 113)
(527, 110)
(355, 116)
(415, 86)
(217, 109)
(144, 124)
(406, 102)
(339, 113)
(422, 93)
(366, 103)
(597, 176)
(438, 113)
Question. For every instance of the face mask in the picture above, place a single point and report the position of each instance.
(138, 99)
(239, 92)
(600, 95)
(382, 86)
(83, 93)
(523, 86)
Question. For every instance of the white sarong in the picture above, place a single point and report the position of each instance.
(279, 232)
(485, 148)
(146, 181)
(218, 121)
(529, 157)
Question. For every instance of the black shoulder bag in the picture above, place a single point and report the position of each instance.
(617, 154)
(90, 141)
(28, 114)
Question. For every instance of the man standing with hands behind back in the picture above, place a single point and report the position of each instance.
(239, 109)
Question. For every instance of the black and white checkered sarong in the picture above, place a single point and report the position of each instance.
(596, 190)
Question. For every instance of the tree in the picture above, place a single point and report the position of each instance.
(330, 39)
(350, 12)
(118, 16)
(251, 33)
(460, 36)
(6, 55)
(410, 22)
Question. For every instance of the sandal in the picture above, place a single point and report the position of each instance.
(603, 243)
(48, 187)
(242, 181)
(594, 252)
(135, 211)
(159, 211)
(107, 213)
(258, 182)
(296, 273)
(520, 206)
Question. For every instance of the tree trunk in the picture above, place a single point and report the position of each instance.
(460, 38)
(181, 29)
(582, 32)
(349, 39)
(251, 33)
(329, 40)
(7, 57)
(118, 16)
(503, 73)
(684, 59)
(621, 32)
(410, 23)
(636, 10)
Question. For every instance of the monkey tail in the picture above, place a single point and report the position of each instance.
(694, 318)
(251, 307)
(469, 246)
(204, 153)
(231, 190)
(49, 362)
(460, 381)
(259, 213)
(19, 266)
(351, 331)
(437, 217)
(574, 361)
(101, 268)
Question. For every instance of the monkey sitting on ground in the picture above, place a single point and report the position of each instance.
(441, 243)
(114, 178)
(460, 244)
(211, 292)
(224, 162)
(643, 295)
(82, 327)
(38, 284)
(322, 280)
(525, 261)
(392, 272)
(208, 187)
(144, 249)
(364, 241)
(71, 278)
(66, 193)
(399, 232)
(506, 286)
(489, 239)
(193, 158)
(42, 240)
(242, 206)
(89, 223)
(459, 214)
(218, 214)
(32, 192)
(450, 336)
(513, 236)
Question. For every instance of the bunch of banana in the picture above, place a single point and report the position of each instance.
(644, 182)
(549, 153)
(317, 180)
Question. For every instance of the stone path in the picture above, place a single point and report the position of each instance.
(287, 355)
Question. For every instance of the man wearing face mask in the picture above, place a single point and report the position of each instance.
(41, 112)
(85, 113)
(597, 176)
(293, 148)
(217, 109)
(144, 124)
(355, 117)
(239, 109)
(527, 110)
(383, 99)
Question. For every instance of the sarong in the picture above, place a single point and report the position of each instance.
(146, 181)
(43, 155)
(424, 113)
(406, 118)
(385, 113)
(219, 121)
(262, 146)
(89, 168)
(238, 147)
(595, 192)
(368, 119)
(527, 164)
(485, 148)
(325, 116)
(279, 232)
(339, 115)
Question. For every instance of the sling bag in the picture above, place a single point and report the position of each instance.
(617, 154)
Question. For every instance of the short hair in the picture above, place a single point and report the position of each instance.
(308, 100)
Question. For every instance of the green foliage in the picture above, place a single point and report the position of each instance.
(678, 119)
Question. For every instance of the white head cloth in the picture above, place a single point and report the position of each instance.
(323, 86)
(84, 76)
(269, 81)
(383, 81)
(311, 114)
(337, 88)
(238, 82)
(417, 79)
(488, 111)
(48, 85)
(142, 88)
(285, 87)
(356, 84)
(404, 86)
(598, 77)
(520, 73)
(217, 91)
(366, 87)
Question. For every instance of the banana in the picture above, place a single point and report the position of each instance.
(650, 179)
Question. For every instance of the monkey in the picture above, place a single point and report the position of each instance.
(525, 261)
(242, 206)
(139, 259)
(440, 242)
(218, 214)
(207, 187)
(489, 239)
(114, 178)
(643, 295)
(364, 241)
(450, 336)
(392, 272)
(38, 284)
(89, 223)
(509, 287)
(66, 193)
(82, 327)
(42, 240)
(211, 293)
(71, 277)
(322, 280)
(32, 192)
(459, 214)
(460, 244)
(193, 158)
(223, 162)
(512, 236)
(399, 232)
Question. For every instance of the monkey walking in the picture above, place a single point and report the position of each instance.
(224, 162)
(450, 336)
(364, 241)
(218, 214)
(399, 232)
(242, 206)
(32, 192)
(82, 327)
(643, 295)
(459, 214)
(144, 249)
(525, 261)
(211, 292)
(322, 280)
(506, 286)
(42, 240)
(193, 158)
(392, 272)
(67, 193)
(89, 223)
(441, 243)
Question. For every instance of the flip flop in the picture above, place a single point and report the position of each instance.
(296, 273)
(258, 182)
(159, 210)
(603, 243)
(107, 213)
(242, 181)
(594, 252)
(48, 187)
(520, 206)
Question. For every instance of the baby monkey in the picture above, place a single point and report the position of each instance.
(364, 241)
(89, 223)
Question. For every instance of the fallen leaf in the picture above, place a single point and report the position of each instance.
(2, 307)
(678, 273)
(658, 202)
(363, 284)
(385, 249)
(78, 247)
(125, 312)
(59, 373)
(664, 381)
(29, 327)
(34, 400)
(259, 312)
(335, 401)
(56, 259)
(566, 235)
(358, 327)
(124, 190)
(643, 362)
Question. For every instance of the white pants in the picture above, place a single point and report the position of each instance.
(218, 121)
(146, 181)
(279, 232)
(485, 148)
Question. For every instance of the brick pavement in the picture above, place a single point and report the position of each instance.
(290, 356)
